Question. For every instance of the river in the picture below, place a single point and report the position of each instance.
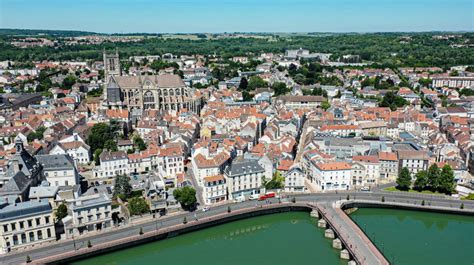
(412, 237)
(286, 238)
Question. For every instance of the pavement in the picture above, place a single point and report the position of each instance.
(132, 229)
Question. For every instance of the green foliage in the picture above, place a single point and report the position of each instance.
(186, 196)
(466, 92)
(111, 145)
(433, 174)
(462, 206)
(421, 180)
(139, 143)
(383, 199)
(122, 186)
(404, 179)
(229, 209)
(393, 101)
(423, 203)
(61, 211)
(325, 105)
(421, 50)
(69, 81)
(256, 82)
(97, 153)
(138, 206)
(89, 244)
(280, 88)
(38, 134)
(159, 64)
(446, 182)
(28, 259)
(435, 180)
(243, 83)
(185, 220)
(141, 231)
(101, 132)
(277, 182)
(95, 92)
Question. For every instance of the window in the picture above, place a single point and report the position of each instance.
(48, 232)
(38, 221)
(13, 226)
(40, 234)
(22, 225)
(46, 219)
(15, 240)
(23, 238)
(32, 236)
(5, 228)
(30, 223)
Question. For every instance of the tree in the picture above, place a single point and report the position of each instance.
(446, 181)
(139, 143)
(243, 84)
(256, 82)
(185, 220)
(229, 209)
(141, 231)
(404, 179)
(421, 180)
(339, 94)
(122, 186)
(433, 177)
(89, 244)
(138, 206)
(277, 181)
(38, 134)
(97, 153)
(186, 196)
(393, 101)
(101, 132)
(69, 81)
(280, 88)
(61, 211)
(325, 105)
(111, 145)
(28, 259)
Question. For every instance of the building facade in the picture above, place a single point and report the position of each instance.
(24, 224)
(163, 92)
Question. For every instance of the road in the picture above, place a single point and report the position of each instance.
(167, 221)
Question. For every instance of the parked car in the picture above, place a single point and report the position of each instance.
(254, 197)
(365, 189)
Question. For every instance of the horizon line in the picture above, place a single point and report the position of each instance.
(250, 32)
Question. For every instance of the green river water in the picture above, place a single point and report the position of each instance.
(286, 238)
(406, 237)
(411, 237)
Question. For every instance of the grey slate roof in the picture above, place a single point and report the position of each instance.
(243, 167)
(24, 209)
(17, 184)
(56, 162)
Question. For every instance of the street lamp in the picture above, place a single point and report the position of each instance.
(74, 242)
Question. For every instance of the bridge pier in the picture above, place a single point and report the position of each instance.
(314, 213)
(329, 233)
(337, 244)
(345, 254)
(322, 223)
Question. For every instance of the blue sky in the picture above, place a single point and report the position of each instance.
(122, 16)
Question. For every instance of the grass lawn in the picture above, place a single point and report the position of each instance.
(412, 190)
(468, 197)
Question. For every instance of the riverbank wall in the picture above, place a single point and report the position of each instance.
(164, 233)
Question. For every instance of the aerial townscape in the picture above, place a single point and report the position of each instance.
(115, 142)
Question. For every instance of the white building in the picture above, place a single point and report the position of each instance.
(244, 178)
(215, 189)
(415, 161)
(294, 180)
(112, 164)
(332, 176)
(24, 224)
(212, 166)
(372, 169)
(88, 213)
(78, 150)
(59, 170)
